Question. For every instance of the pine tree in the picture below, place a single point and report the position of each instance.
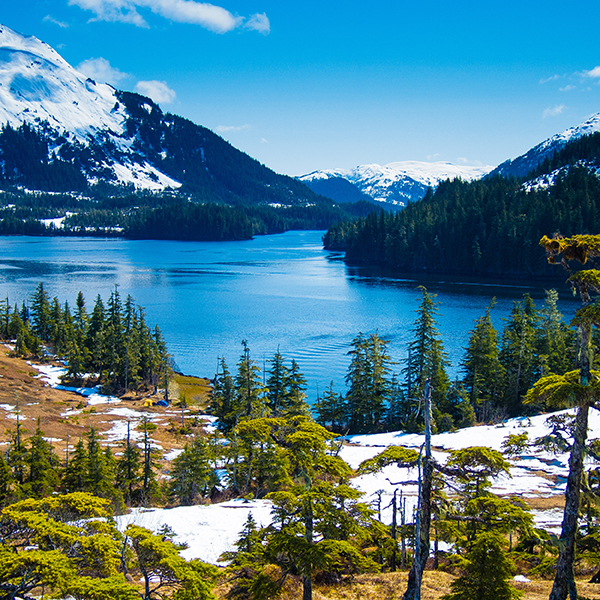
(192, 474)
(486, 572)
(427, 359)
(483, 371)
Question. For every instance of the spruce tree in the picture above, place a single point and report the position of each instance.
(486, 571)
(427, 359)
(484, 374)
(518, 354)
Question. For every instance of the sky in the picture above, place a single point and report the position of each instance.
(310, 85)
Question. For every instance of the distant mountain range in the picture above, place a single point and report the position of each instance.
(398, 183)
(395, 184)
(528, 162)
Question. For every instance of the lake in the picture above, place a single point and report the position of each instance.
(279, 291)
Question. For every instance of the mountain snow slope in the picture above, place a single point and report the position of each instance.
(397, 182)
(524, 164)
(61, 131)
(37, 86)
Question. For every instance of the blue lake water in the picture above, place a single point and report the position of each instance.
(279, 291)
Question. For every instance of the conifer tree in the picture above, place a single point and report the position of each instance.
(483, 371)
(427, 359)
(486, 572)
(276, 384)
(128, 468)
(40, 313)
(223, 399)
(42, 476)
(368, 383)
(330, 410)
(75, 478)
(6, 481)
(295, 396)
(518, 353)
(192, 474)
(249, 401)
(580, 387)
(555, 341)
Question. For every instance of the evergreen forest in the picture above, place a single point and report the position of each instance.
(486, 227)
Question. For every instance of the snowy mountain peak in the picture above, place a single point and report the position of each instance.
(37, 84)
(397, 182)
(524, 164)
(40, 89)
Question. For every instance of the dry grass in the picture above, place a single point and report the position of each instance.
(196, 390)
(37, 400)
(545, 502)
(391, 586)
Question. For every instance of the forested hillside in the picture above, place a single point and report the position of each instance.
(486, 227)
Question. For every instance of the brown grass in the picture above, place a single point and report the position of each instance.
(391, 586)
(545, 503)
(37, 400)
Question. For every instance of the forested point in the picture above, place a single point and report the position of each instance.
(486, 227)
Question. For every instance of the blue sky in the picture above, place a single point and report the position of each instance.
(310, 85)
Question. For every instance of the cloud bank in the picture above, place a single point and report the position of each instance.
(209, 16)
(99, 69)
(158, 91)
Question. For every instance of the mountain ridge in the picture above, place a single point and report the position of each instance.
(68, 123)
(397, 183)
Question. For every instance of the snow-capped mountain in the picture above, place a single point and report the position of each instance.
(60, 130)
(524, 164)
(37, 85)
(397, 182)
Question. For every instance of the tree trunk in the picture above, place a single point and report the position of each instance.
(308, 535)
(394, 534)
(564, 580)
(421, 554)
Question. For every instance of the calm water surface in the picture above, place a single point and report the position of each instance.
(279, 291)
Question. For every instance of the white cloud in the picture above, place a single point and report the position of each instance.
(209, 16)
(594, 73)
(259, 22)
(158, 91)
(99, 69)
(228, 128)
(50, 19)
(554, 111)
(567, 88)
(553, 78)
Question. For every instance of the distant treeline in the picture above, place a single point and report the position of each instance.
(161, 216)
(486, 227)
